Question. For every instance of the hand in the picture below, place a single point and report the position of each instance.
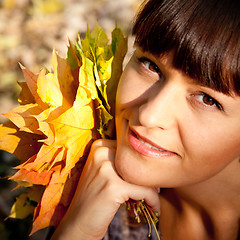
(99, 194)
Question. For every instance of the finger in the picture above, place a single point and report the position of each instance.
(134, 192)
(104, 143)
(120, 191)
(96, 159)
(101, 150)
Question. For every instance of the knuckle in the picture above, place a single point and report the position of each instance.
(100, 154)
(112, 189)
(105, 168)
(110, 186)
(150, 192)
(97, 143)
(104, 143)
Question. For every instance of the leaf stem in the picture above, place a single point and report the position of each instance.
(140, 207)
(149, 219)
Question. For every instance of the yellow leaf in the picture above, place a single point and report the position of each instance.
(31, 80)
(62, 112)
(56, 89)
(104, 68)
(22, 144)
(63, 77)
(86, 77)
(26, 203)
(22, 117)
(48, 90)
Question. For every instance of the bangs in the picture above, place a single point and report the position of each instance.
(205, 36)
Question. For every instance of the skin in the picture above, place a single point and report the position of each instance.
(198, 129)
(168, 109)
(192, 153)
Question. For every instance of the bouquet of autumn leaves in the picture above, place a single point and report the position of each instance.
(60, 114)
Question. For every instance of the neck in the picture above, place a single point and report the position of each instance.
(219, 192)
(214, 203)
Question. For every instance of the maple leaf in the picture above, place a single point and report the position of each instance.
(26, 203)
(22, 144)
(60, 114)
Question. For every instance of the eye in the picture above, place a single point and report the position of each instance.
(208, 101)
(150, 65)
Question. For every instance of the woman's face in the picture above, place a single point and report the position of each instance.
(170, 130)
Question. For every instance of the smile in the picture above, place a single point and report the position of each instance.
(149, 145)
(145, 147)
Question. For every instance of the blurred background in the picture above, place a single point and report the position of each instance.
(29, 30)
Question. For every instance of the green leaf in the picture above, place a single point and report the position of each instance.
(71, 57)
(102, 68)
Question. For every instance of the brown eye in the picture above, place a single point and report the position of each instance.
(208, 100)
(150, 65)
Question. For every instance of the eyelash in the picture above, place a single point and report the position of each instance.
(155, 69)
(211, 99)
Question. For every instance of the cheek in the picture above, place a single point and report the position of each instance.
(132, 170)
(124, 166)
(131, 89)
(211, 149)
(123, 86)
(125, 93)
(127, 163)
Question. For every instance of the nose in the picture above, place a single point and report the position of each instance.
(160, 108)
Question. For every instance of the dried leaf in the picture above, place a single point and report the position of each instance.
(63, 112)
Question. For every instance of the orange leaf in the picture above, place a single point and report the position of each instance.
(50, 200)
(63, 75)
(44, 126)
(56, 198)
(45, 157)
(31, 80)
(58, 111)
(22, 144)
(26, 96)
(22, 117)
(33, 177)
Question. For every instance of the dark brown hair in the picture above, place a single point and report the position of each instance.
(204, 34)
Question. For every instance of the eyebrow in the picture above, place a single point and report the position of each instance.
(194, 80)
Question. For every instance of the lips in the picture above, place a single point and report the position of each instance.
(146, 147)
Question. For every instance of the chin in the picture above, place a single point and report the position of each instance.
(133, 177)
(130, 170)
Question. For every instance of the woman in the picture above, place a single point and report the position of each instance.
(178, 125)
